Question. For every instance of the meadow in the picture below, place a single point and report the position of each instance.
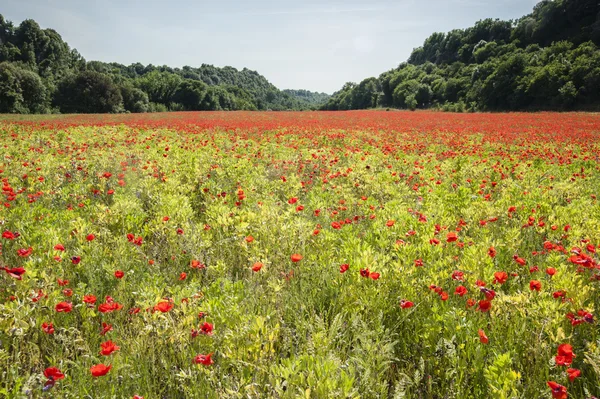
(363, 254)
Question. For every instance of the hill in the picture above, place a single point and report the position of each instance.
(40, 73)
(546, 60)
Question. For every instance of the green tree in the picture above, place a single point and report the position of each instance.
(88, 92)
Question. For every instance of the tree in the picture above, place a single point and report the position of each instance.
(88, 92)
(21, 90)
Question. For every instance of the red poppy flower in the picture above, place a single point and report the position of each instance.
(535, 285)
(108, 347)
(48, 328)
(257, 266)
(519, 260)
(404, 304)
(24, 252)
(204, 359)
(484, 305)
(99, 370)
(460, 290)
(458, 275)
(196, 264)
(76, 259)
(374, 275)
(59, 247)
(296, 258)
(206, 328)
(105, 328)
(119, 274)
(53, 373)
(344, 268)
(500, 277)
(109, 307)
(390, 223)
(451, 236)
(365, 272)
(249, 239)
(482, 337)
(564, 355)
(9, 235)
(558, 391)
(163, 306)
(573, 373)
(15, 272)
(182, 276)
(90, 237)
(91, 299)
(550, 271)
(64, 307)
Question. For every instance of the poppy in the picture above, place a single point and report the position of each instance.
(105, 328)
(451, 237)
(206, 328)
(344, 268)
(296, 258)
(204, 359)
(108, 347)
(365, 272)
(24, 252)
(64, 307)
(564, 355)
(90, 237)
(99, 370)
(558, 391)
(257, 266)
(482, 337)
(109, 307)
(573, 373)
(550, 271)
(75, 260)
(163, 306)
(182, 276)
(196, 264)
(374, 276)
(535, 285)
(91, 299)
(500, 277)
(119, 274)
(15, 272)
(48, 328)
(460, 290)
(519, 260)
(9, 235)
(249, 239)
(404, 304)
(458, 275)
(53, 373)
(59, 247)
(390, 223)
(484, 305)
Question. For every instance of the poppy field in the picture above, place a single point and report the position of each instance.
(364, 254)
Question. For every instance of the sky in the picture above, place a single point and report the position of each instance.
(313, 45)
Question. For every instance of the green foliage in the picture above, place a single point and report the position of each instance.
(43, 53)
(21, 90)
(88, 92)
(546, 60)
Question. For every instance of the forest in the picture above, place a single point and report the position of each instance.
(547, 60)
(40, 73)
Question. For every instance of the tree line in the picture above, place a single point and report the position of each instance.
(547, 60)
(40, 73)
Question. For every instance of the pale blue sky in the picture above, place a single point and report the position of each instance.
(314, 45)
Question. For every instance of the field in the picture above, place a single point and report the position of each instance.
(364, 254)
